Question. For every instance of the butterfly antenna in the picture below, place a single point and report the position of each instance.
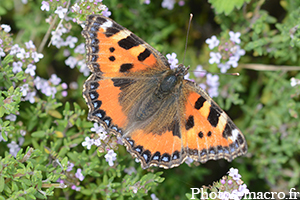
(187, 36)
(206, 72)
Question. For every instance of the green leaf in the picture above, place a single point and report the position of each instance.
(2, 11)
(55, 113)
(2, 111)
(4, 136)
(227, 6)
(38, 134)
(1, 183)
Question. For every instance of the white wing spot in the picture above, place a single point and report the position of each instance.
(234, 136)
(106, 25)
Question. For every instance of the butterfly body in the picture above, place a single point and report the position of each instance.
(161, 117)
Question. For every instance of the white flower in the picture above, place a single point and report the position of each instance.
(233, 61)
(6, 28)
(48, 90)
(75, 8)
(71, 41)
(97, 142)
(214, 58)
(295, 82)
(213, 92)
(203, 86)
(224, 195)
(234, 195)
(2, 54)
(237, 51)
(235, 37)
(106, 12)
(212, 80)
(153, 197)
(30, 69)
(224, 67)
(21, 54)
(21, 140)
(97, 128)
(83, 68)
(199, 72)
(14, 49)
(172, 60)
(45, 6)
(29, 45)
(212, 42)
(234, 173)
(36, 56)
(30, 96)
(71, 62)
(39, 82)
(147, 2)
(169, 4)
(243, 190)
(79, 175)
(23, 132)
(80, 49)
(13, 148)
(54, 79)
(11, 117)
(24, 89)
(88, 142)
(17, 67)
(102, 136)
(60, 11)
(110, 157)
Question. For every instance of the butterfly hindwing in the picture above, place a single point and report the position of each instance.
(200, 130)
(209, 132)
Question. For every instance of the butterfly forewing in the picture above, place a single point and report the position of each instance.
(114, 51)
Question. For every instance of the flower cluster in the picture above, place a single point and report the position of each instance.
(89, 7)
(50, 87)
(230, 187)
(228, 52)
(59, 37)
(24, 59)
(104, 142)
(71, 178)
(13, 146)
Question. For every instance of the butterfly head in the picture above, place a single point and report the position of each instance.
(181, 70)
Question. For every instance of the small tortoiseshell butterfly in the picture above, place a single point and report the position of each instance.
(161, 117)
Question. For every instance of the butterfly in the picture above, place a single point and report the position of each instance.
(162, 118)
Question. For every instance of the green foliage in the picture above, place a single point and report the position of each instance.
(227, 6)
(49, 129)
(275, 152)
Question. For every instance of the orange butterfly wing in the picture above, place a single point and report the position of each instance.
(121, 95)
(117, 58)
(209, 133)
